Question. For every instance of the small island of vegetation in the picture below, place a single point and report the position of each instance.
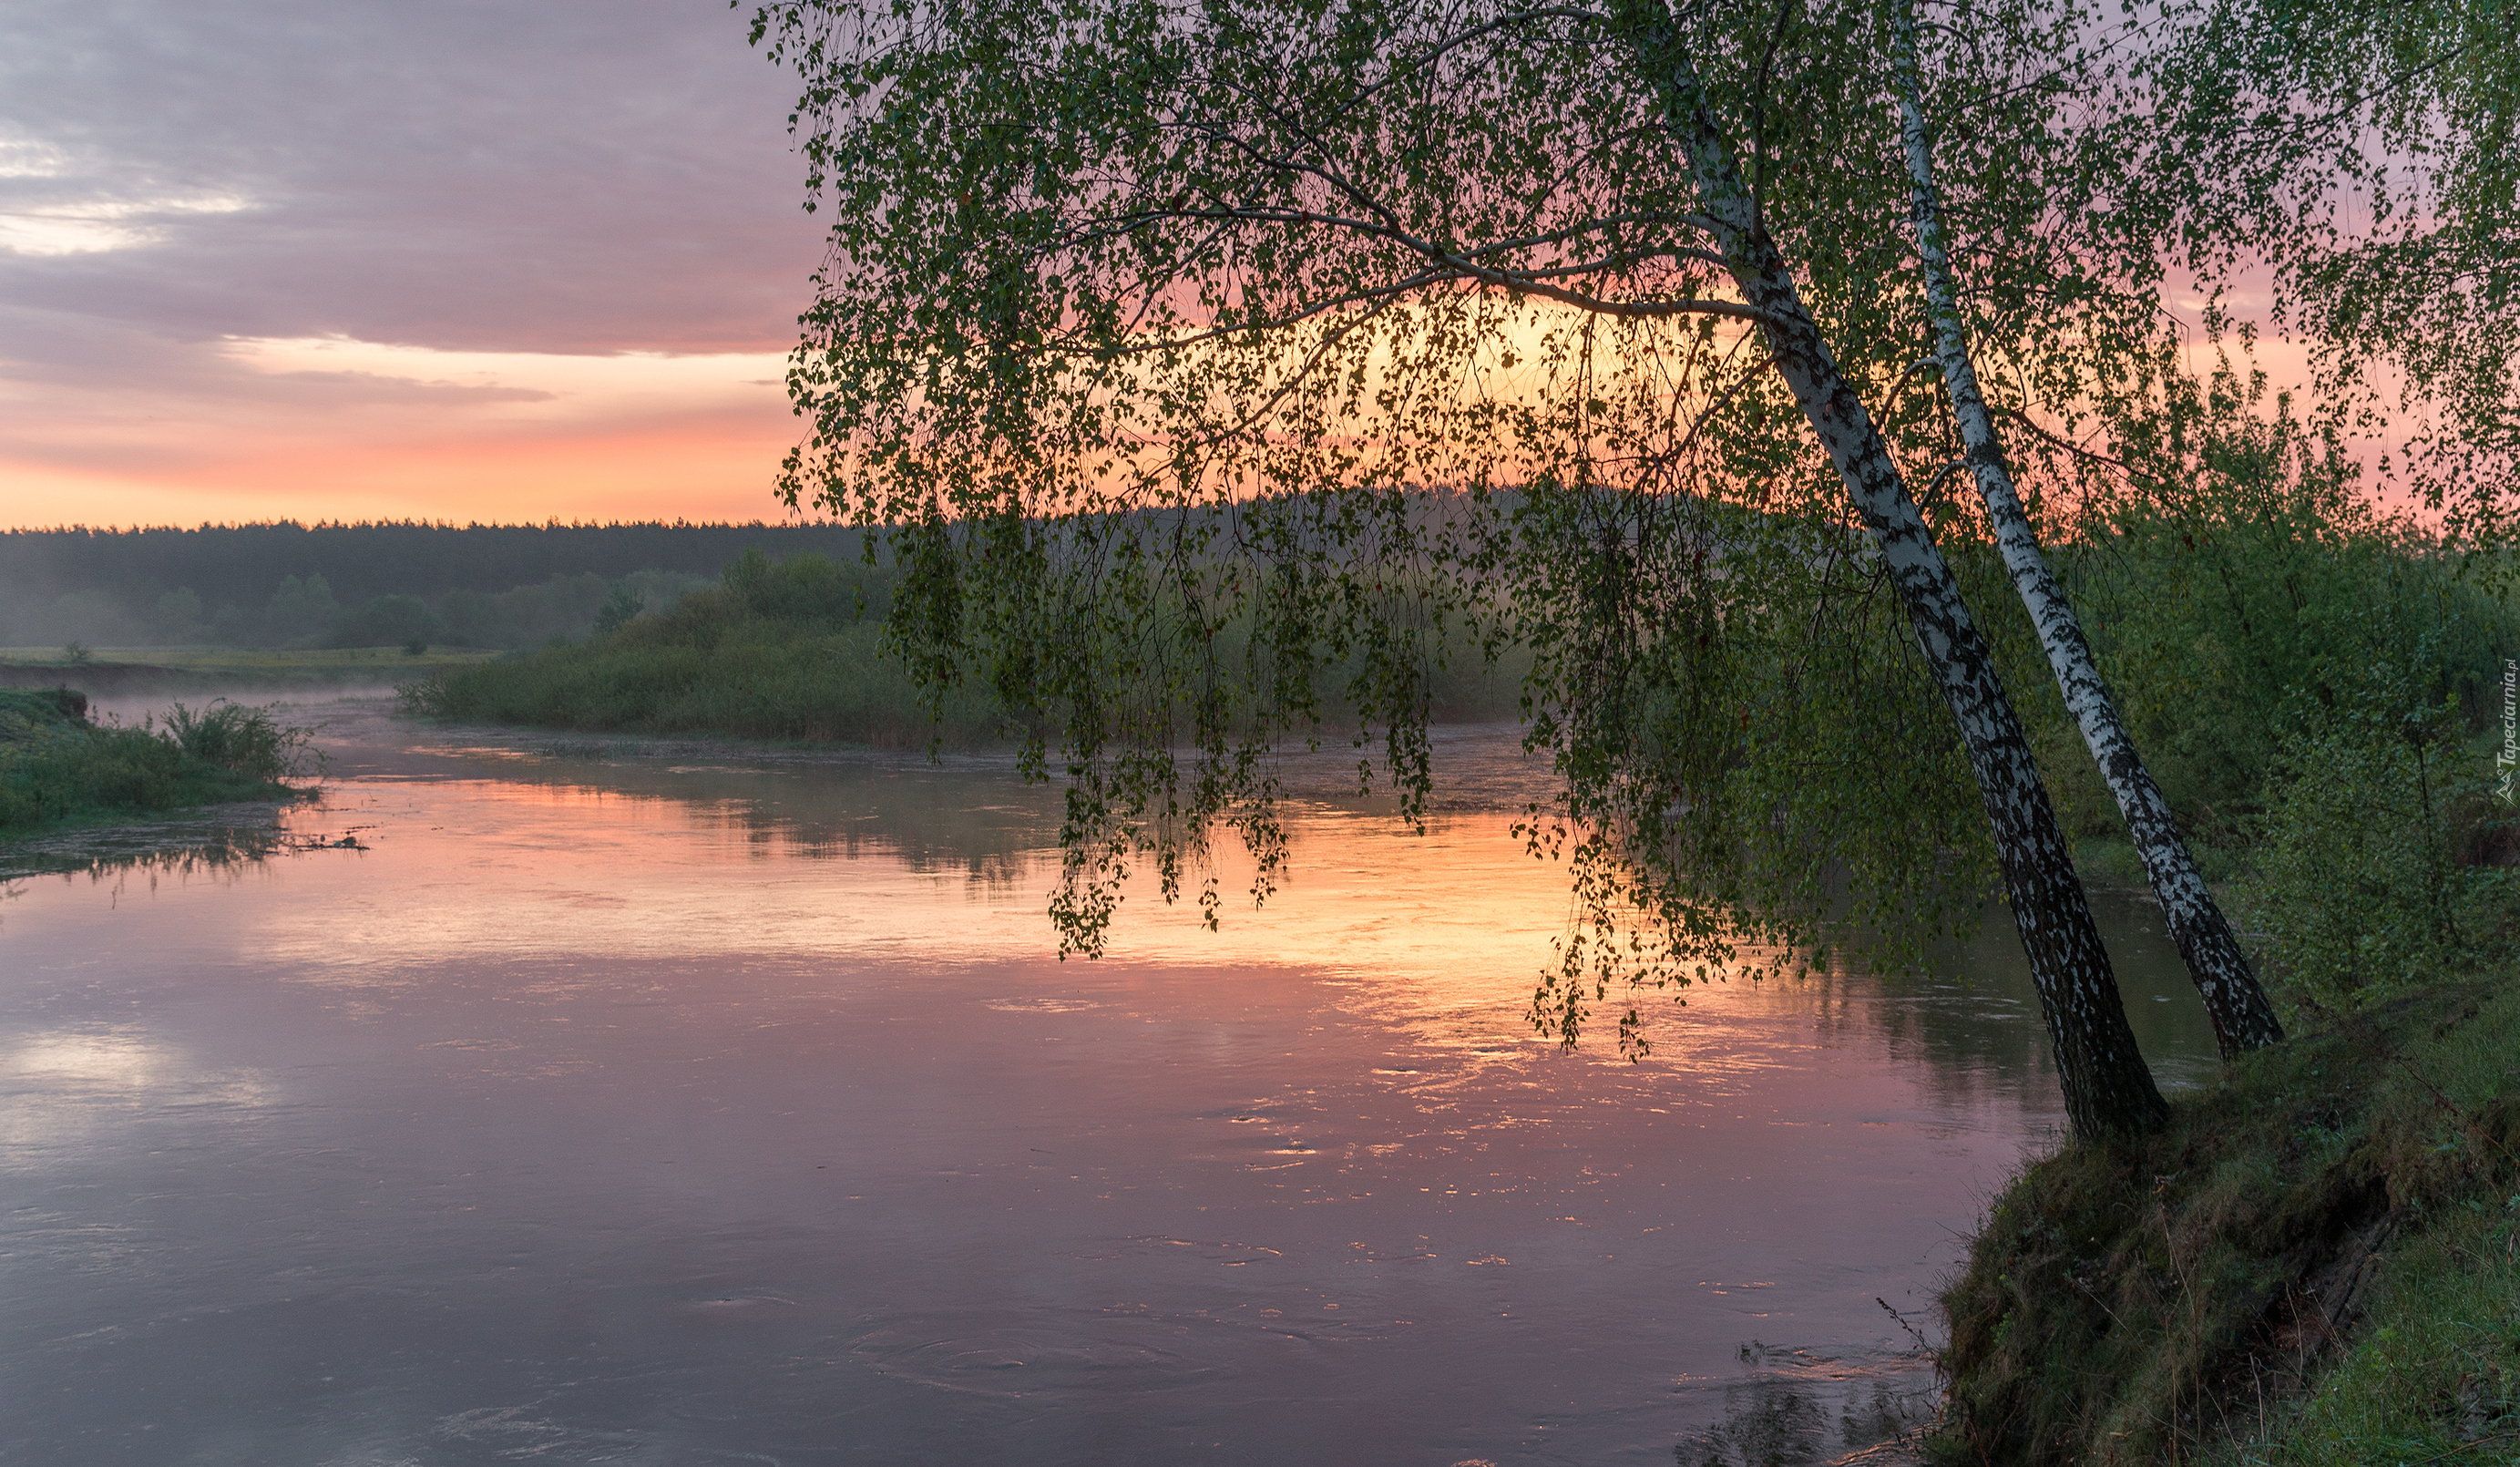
(59, 770)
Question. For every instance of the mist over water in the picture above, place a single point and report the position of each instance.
(629, 1102)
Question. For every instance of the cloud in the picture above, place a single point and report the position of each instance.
(214, 219)
(45, 210)
(571, 176)
(370, 386)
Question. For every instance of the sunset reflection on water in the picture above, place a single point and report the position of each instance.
(664, 1103)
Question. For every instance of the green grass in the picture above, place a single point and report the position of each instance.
(2434, 1375)
(60, 771)
(2316, 1262)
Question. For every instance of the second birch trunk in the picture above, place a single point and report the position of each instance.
(2244, 1018)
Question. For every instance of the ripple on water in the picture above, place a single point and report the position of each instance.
(1092, 1355)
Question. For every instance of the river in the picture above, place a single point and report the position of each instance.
(619, 1101)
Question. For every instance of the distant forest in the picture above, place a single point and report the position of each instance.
(286, 583)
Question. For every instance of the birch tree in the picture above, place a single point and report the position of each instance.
(2242, 1018)
(1206, 364)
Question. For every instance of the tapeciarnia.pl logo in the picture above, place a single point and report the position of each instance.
(2509, 755)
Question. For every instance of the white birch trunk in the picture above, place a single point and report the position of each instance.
(2107, 1086)
(2242, 1018)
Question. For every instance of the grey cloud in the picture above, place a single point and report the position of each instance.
(112, 357)
(553, 175)
(126, 362)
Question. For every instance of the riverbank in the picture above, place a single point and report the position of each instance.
(2316, 1262)
(183, 671)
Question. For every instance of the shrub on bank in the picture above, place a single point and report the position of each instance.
(2385, 859)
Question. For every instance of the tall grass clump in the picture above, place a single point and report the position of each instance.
(247, 741)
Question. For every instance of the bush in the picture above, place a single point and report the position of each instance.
(2361, 888)
(625, 603)
(24, 712)
(563, 606)
(385, 621)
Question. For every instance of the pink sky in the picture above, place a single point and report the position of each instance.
(456, 261)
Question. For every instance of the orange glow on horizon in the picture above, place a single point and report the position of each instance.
(316, 431)
(340, 429)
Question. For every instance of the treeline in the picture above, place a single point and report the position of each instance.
(363, 585)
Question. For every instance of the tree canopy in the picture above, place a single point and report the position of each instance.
(1206, 365)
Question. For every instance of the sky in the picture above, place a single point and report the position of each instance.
(456, 260)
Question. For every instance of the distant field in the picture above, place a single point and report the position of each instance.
(119, 669)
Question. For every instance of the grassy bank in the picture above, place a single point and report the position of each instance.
(2318, 1263)
(58, 770)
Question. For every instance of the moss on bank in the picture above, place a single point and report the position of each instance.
(2316, 1262)
(58, 770)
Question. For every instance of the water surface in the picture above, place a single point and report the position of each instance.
(619, 1103)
